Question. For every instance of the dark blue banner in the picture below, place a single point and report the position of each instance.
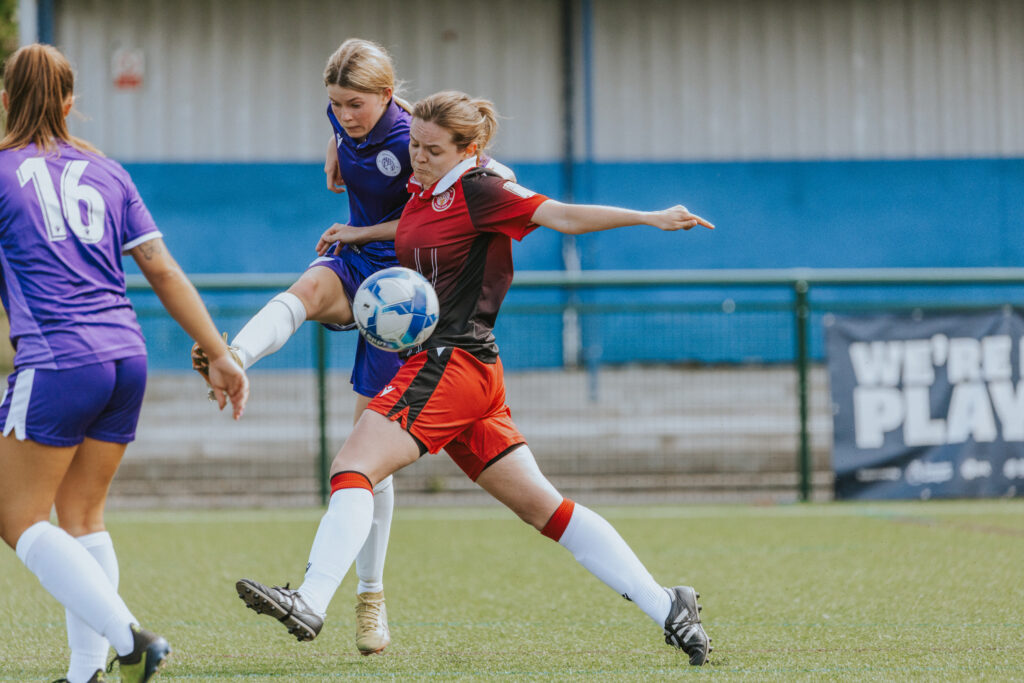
(927, 406)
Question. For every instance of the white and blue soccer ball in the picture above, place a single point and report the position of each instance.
(395, 308)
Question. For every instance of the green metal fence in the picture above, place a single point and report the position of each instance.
(801, 282)
(766, 297)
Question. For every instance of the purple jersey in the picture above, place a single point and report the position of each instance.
(375, 170)
(65, 219)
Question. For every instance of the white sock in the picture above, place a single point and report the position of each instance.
(268, 330)
(342, 532)
(76, 579)
(89, 649)
(598, 546)
(370, 560)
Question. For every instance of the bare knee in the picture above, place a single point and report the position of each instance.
(374, 470)
(17, 515)
(323, 297)
(310, 292)
(532, 503)
(537, 513)
(518, 483)
(376, 448)
(79, 523)
(14, 523)
(80, 517)
(76, 531)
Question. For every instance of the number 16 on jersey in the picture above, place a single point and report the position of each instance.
(64, 210)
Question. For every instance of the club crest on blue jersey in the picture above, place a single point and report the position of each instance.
(388, 163)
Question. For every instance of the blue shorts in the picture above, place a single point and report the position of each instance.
(62, 407)
(373, 368)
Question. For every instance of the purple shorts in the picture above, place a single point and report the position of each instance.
(62, 407)
(373, 368)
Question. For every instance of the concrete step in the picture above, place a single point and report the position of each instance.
(646, 431)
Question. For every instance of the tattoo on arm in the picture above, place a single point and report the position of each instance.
(150, 249)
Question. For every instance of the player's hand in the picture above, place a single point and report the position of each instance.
(678, 218)
(200, 362)
(337, 233)
(335, 183)
(228, 382)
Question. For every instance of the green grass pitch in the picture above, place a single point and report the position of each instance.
(880, 591)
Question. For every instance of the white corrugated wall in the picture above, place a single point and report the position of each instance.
(672, 79)
(230, 80)
(795, 79)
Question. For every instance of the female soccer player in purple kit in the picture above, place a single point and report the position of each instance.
(369, 156)
(67, 214)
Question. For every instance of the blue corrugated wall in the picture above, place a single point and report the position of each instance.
(921, 213)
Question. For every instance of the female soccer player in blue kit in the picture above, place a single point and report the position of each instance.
(457, 230)
(368, 155)
(67, 214)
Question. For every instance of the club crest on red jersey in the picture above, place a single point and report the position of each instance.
(444, 200)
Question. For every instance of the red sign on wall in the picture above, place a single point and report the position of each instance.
(128, 66)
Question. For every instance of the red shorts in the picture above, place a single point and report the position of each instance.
(448, 399)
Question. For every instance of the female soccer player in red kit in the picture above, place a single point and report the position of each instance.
(457, 230)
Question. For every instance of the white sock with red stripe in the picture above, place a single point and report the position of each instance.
(270, 328)
(598, 546)
(342, 532)
(370, 560)
(73, 576)
(89, 649)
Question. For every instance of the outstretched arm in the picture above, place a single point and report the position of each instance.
(578, 219)
(182, 301)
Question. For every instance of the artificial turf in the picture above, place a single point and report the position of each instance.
(884, 591)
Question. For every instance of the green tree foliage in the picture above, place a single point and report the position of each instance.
(8, 27)
(8, 39)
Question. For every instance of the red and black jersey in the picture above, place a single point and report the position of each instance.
(458, 234)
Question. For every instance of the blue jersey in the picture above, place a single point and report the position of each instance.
(65, 219)
(375, 171)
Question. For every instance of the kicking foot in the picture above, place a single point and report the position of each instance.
(682, 627)
(284, 604)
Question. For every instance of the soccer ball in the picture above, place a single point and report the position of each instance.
(395, 308)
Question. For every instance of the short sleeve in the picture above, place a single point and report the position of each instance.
(499, 205)
(139, 225)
